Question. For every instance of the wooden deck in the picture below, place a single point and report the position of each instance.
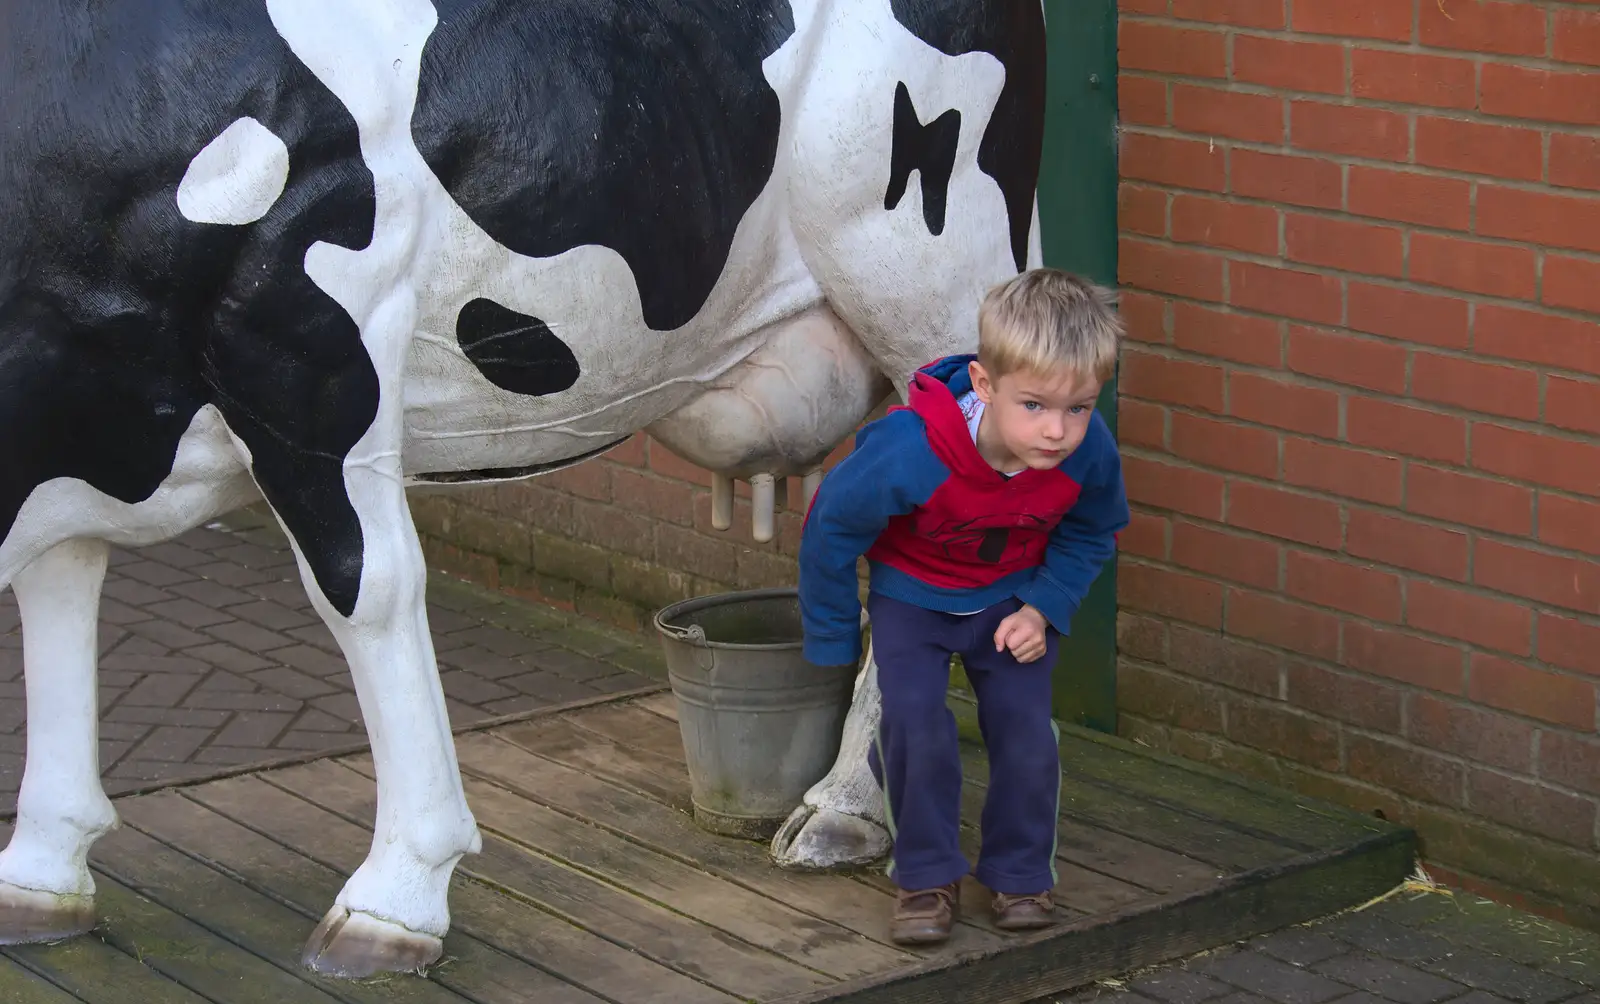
(595, 885)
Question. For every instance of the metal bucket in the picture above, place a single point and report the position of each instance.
(760, 724)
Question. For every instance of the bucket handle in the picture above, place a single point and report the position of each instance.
(695, 636)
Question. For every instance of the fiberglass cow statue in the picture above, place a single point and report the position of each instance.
(318, 251)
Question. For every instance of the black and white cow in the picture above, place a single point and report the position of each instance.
(317, 251)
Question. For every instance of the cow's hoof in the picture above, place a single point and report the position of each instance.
(357, 945)
(825, 839)
(28, 916)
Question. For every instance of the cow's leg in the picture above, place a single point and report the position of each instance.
(840, 822)
(46, 891)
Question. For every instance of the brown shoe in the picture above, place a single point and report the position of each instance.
(1024, 913)
(925, 916)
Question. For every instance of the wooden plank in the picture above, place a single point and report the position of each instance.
(1080, 846)
(244, 918)
(516, 928)
(97, 973)
(187, 953)
(1279, 816)
(1052, 962)
(652, 774)
(766, 923)
(652, 931)
(19, 986)
(470, 968)
(621, 811)
(637, 727)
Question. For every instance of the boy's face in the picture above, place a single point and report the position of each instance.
(1033, 419)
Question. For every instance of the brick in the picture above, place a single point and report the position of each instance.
(1344, 244)
(1346, 698)
(1231, 225)
(1142, 210)
(1230, 556)
(1139, 423)
(1471, 617)
(1142, 6)
(1161, 48)
(1569, 643)
(1308, 296)
(1354, 589)
(653, 496)
(1175, 986)
(1144, 315)
(1225, 445)
(1575, 36)
(1167, 486)
(1283, 514)
(1230, 662)
(1168, 593)
(1412, 78)
(1542, 95)
(1474, 266)
(1548, 218)
(630, 453)
(669, 465)
(1178, 271)
(1511, 29)
(1573, 283)
(1171, 381)
(1146, 536)
(1274, 177)
(1168, 698)
(170, 743)
(1489, 737)
(1275, 621)
(1567, 464)
(1533, 807)
(1407, 770)
(1406, 543)
(1241, 338)
(1352, 130)
(1469, 500)
(252, 729)
(1575, 160)
(1410, 197)
(1571, 761)
(1401, 656)
(1536, 337)
(1291, 66)
(1476, 386)
(1283, 405)
(1572, 404)
(1381, 19)
(1243, 13)
(586, 480)
(1141, 100)
(1556, 579)
(1479, 148)
(1142, 637)
(1213, 111)
(1340, 470)
(1180, 163)
(1341, 358)
(1289, 733)
(1535, 693)
(1408, 315)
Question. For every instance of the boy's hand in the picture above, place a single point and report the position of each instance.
(1023, 633)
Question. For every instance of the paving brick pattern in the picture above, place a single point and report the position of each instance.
(1413, 949)
(211, 658)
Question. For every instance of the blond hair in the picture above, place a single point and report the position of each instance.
(1046, 319)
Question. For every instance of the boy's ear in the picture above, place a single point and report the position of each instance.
(981, 384)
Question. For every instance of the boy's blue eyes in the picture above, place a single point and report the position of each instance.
(1076, 409)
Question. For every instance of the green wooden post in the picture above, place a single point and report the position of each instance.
(1078, 228)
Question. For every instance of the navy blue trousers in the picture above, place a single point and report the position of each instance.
(917, 761)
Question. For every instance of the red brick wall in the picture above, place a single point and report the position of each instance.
(1361, 253)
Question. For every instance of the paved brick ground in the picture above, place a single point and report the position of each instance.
(1414, 949)
(212, 658)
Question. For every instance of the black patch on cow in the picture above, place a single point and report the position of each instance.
(930, 150)
(514, 351)
(120, 319)
(647, 128)
(1013, 32)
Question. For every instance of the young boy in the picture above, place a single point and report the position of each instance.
(984, 509)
